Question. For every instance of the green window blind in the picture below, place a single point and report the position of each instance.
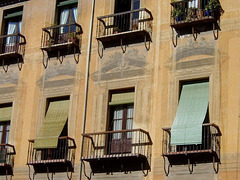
(5, 114)
(65, 3)
(12, 15)
(122, 98)
(192, 108)
(52, 125)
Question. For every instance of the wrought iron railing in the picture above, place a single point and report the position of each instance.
(129, 21)
(117, 143)
(210, 141)
(12, 43)
(188, 11)
(65, 151)
(61, 34)
(7, 153)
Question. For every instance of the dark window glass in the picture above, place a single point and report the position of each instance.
(4, 132)
(125, 22)
(121, 119)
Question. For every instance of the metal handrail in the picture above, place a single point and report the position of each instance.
(62, 137)
(17, 34)
(65, 150)
(179, 1)
(211, 136)
(9, 152)
(168, 129)
(63, 25)
(88, 135)
(127, 12)
(119, 143)
(9, 145)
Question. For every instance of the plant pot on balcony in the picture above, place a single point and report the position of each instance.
(179, 18)
(135, 27)
(208, 13)
(116, 30)
(50, 42)
(199, 14)
(73, 39)
(213, 8)
(177, 14)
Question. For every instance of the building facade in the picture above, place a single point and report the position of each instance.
(119, 89)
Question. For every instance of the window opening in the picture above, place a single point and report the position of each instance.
(5, 118)
(125, 22)
(205, 130)
(13, 23)
(4, 132)
(67, 14)
(121, 118)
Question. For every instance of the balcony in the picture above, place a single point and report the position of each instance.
(118, 151)
(191, 20)
(7, 153)
(12, 50)
(53, 161)
(61, 40)
(125, 28)
(207, 152)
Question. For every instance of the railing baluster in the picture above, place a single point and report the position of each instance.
(210, 140)
(124, 22)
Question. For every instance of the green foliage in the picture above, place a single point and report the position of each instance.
(177, 11)
(190, 14)
(212, 5)
(116, 29)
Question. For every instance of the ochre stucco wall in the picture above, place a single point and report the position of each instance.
(155, 76)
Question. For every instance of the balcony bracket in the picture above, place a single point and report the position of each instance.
(194, 33)
(100, 53)
(190, 166)
(144, 173)
(215, 167)
(124, 48)
(215, 34)
(5, 68)
(19, 64)
(69, 176)
(29, 173)
(166, 169)
(145, 43)
(59, 57)
(48, 174)
(76, 55)
(174, 38)
(7, 175)
(84, 171)
(45, 64)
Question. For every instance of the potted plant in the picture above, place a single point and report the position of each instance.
(135, 27)
(199, 13)
(50, 42)
(72, 37)
(191, 14)
(177, 14)
(212, 5)
(116, 30)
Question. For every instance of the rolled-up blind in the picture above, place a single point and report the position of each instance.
(122, 98)
(5, 114)
(68, 2)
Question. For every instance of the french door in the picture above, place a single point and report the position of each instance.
(122, 119)
(125, 22)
